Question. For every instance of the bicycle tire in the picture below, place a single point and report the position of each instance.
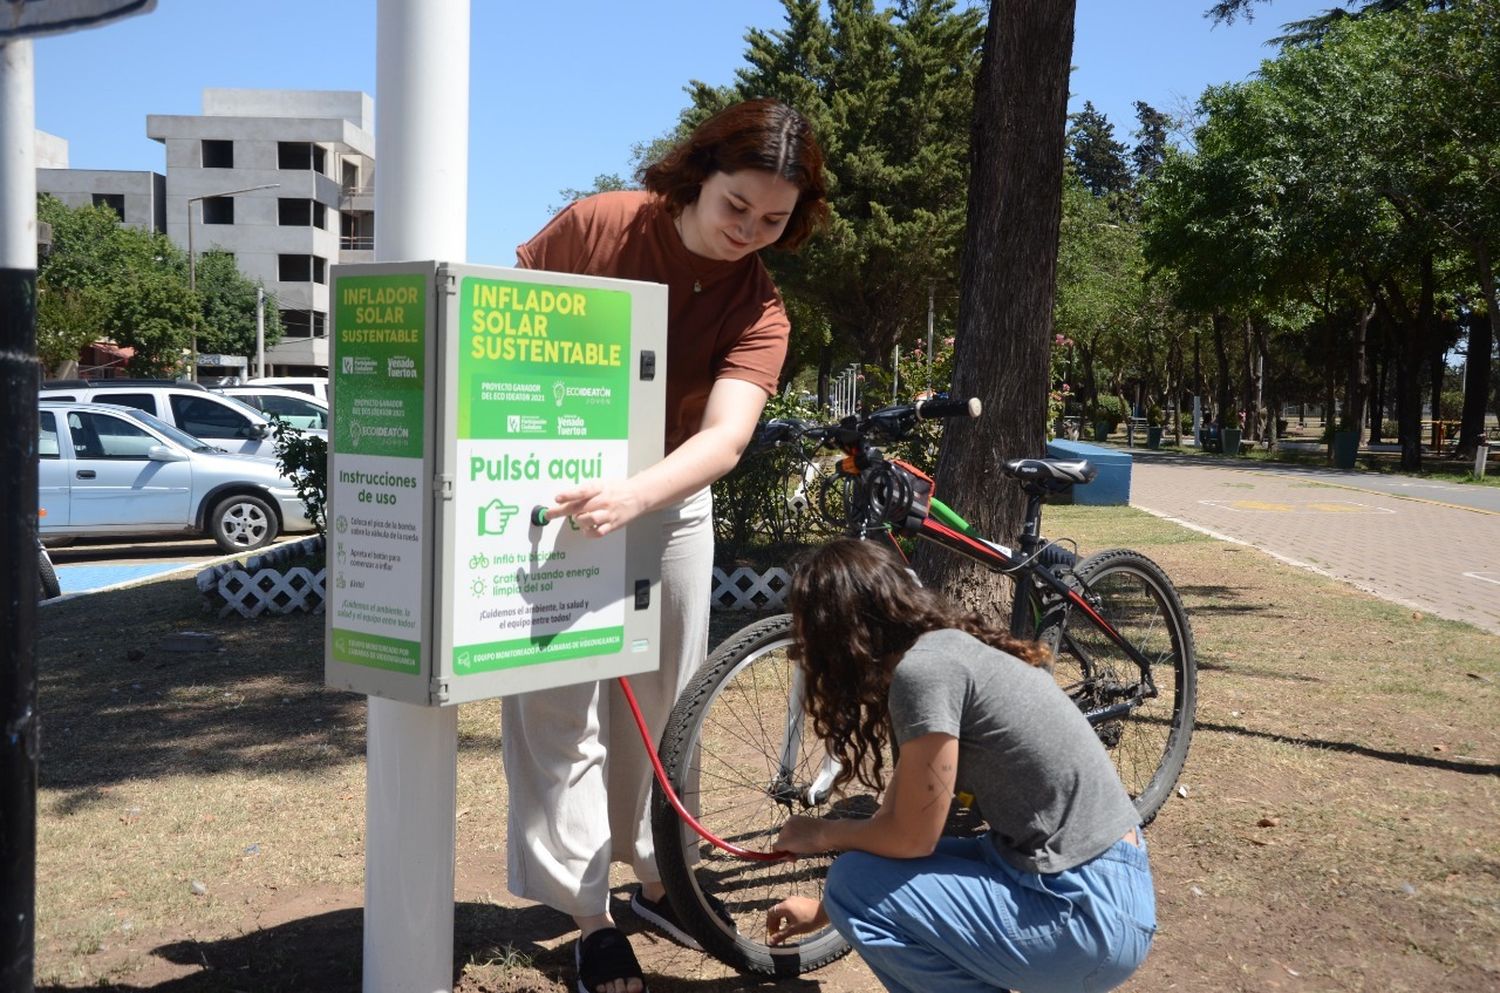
(722, 752)
(1149, 744)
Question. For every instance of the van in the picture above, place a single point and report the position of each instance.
(220, 420)
(312, 385)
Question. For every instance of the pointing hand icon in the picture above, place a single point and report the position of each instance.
(495, 515)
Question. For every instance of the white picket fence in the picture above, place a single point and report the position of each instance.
(746, 589)
(264, 585)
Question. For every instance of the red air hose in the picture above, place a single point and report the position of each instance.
(666, 787)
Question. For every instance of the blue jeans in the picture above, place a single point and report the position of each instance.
(963, 919)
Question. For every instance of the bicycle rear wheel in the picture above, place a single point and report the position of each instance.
(1144, 715)
(739, 752)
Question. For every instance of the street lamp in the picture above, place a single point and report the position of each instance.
(193, 260)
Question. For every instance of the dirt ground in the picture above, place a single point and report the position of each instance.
(201, 814)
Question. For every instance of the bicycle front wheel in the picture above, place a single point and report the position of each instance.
(1142, 713)
(739, 753)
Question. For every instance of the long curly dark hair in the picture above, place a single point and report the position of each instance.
(753, 134)
(856, 610)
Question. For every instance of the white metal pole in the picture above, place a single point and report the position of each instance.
(260, 332)
(18, 167)
(421, 202)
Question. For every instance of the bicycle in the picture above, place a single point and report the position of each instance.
(737, 747)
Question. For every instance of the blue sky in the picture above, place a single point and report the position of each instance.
(559, 90)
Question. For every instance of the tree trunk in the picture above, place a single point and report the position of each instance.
(1224, 401)
(1379, 366)
(1358, 379)
(1477, 365)
(1412, 335)
(1009, 276)
(1437, 365)
(1251, 394)
(1198, 362)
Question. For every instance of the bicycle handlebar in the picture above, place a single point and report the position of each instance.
(948, 407)
(893, 422)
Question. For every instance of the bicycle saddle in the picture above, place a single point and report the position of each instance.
(1052, 474)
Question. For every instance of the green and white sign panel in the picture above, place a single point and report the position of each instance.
(443, 589)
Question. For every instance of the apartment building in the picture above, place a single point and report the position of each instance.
(139, 198)
(284, 181)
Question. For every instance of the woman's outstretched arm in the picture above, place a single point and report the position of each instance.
(911, 815)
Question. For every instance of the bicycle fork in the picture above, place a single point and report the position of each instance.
(784, 788)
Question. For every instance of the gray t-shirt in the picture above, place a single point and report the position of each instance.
(1039, 774)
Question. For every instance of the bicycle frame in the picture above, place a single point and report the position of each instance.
(943, 526)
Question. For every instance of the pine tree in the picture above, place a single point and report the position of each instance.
(1096, 156)
(1151, 141)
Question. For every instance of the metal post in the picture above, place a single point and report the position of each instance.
(260, 332)
(19, 578)
(1481, 456)
(193, 260)
(193, 291)
(929, 336)
(421, 202)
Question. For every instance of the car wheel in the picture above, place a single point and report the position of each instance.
(243, 523)
(49, 585)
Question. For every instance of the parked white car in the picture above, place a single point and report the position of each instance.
(315, 386)
(220, 420)
(300, 410)
(108, 471)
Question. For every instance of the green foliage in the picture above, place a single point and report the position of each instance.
(303, 458)
(228, 300)
(1151, 141)
(890, 95)
(1097, 158)
(150, 311)
(104, 280)
(1109, 409)
(764, 500)
(67, 321)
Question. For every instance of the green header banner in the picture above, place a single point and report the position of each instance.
(540, 362)
(378, 380)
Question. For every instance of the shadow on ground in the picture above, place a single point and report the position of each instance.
(518, 949)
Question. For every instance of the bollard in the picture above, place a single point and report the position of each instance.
(1481, 456)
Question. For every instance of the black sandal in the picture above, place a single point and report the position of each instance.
(603, 956)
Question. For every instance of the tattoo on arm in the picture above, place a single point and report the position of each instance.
(943, 773)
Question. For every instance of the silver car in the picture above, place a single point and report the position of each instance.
(298, 409)
(107, 471)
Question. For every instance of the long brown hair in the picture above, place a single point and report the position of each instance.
(753, 134)
(856, 611)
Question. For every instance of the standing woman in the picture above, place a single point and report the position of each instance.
(1057, 896)
(748, 178)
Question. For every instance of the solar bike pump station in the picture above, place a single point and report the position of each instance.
(464, 399)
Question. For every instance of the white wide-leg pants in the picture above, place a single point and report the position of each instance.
(577, 770)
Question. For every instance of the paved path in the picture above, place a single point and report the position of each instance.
(1427, 552)
(95, 578)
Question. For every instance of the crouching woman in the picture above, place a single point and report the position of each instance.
(1057, 896)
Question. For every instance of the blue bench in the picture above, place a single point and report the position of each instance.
(1111, 486)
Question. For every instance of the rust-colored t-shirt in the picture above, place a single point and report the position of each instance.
(725, 320)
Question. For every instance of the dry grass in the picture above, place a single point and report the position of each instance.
(1338, 830)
